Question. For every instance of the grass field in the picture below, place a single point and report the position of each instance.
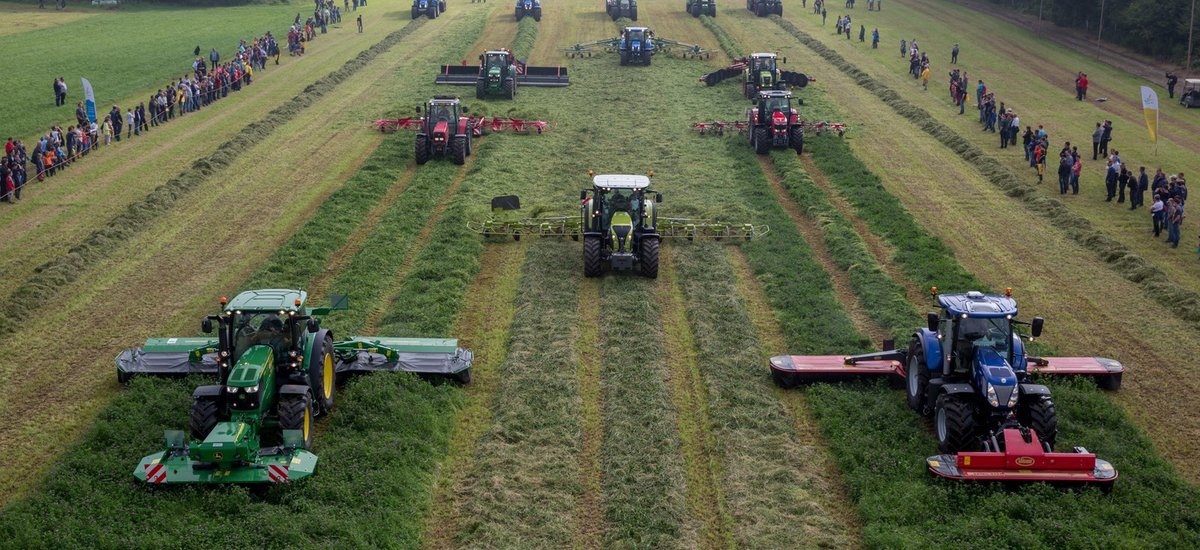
(604, 413)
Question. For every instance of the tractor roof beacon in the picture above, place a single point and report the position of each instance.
(276, 368)
(968, 368)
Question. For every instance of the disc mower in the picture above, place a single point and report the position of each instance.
(618, 222)
(499, 74)
(276, 368)
(759, 71)
(617, 9)
(763, 8)
(969, 370)
(428, 8)
(702, 7)
(636, 45)
(531, 8)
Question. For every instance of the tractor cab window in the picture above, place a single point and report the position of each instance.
(495, 59)
(762, 64)
(442, 112)
(635, 35)
(974, 333)
(780, 104)
(621, 200)
(260, 329)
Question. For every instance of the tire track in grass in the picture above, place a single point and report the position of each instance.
(526, 488)
(705, 495)
(591, 522)
(644, 481)
(484, 328)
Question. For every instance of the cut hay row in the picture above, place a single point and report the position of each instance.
(53, 275)
(1155, 284)
(591, 523)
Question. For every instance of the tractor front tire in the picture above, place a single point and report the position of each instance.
(416, 13)
(648, 257)
(624, 58)
(480, 89)
(322, 373)
(431, 12)
(1040, 416)
(520, 14)
(591, 256)
(633, 14)
(695, 10)
(712, 10)
(916, 377)
(779, 9)
(537, 14)
(296, 413)
(762, 143)
(458, 150)
(421, 152)
(510, 88)
(954, 422)
(204, 418)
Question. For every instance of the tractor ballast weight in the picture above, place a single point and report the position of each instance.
(968, 369)
(617, 9)
(428, 8)
(275, 369)
(773, 122)
(500, 74)
(529, 8)
(696, 8)
(763, 8)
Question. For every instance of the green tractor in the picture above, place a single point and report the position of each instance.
(499, 73)
(276, 369)
(763, 8)
(702, 7)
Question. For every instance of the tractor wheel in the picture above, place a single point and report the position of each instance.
(1110, 382)
(648, 58)
(695, 10)
(648, 257)
(421, 154)
(520, 13)
(322, 377)
(480, 89)
(431, 12)
(441, 6)
(633, 13)
(296, 413)
(537, 14)
(591, 256)
(510, 88)
(458, 150)
(624, 58)
(712, 10)
(760, 10)
(762, 143)
(615, 14)
(1039, 415)
(779, 9)
(204, 418)
(462, 376)
(416, 13)
(916, 376)
(954, 422)
(797, 139)
(785, 380)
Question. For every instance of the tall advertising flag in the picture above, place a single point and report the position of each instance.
(89, 99)
(1150, 110)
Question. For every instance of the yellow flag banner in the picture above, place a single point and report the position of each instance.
(1150, 110)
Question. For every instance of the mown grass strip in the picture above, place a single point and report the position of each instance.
(527, 32)
(591, 522)
(768, 483)
(525, 485)
(1181, 301)
(32, 293)
(727, 43)
(705, 492)
(644, 480)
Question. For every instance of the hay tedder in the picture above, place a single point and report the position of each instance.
(445, 129)
(276, 368)
(772, 122)
(618, 222)
(529, 8)
(499, 74)
(759, 71)
(428, 8)
(636, 45)
(969, 370)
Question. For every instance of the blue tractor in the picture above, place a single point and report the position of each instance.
(428, 8)
(636, 45)
(530, 8)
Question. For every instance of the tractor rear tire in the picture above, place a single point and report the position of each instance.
(421, 153)
(537, 14)
(322, 372)
(432, 11)
(633, 13)
(648, 58)
(510, 88)
(916, 376)
(695, 10)
(520, 13)
(624, 58)
(762, 143)
(712, 10)
(785, 380)
(296, 413)
(458, 150)
(591, 256)
(416, 13)
(480, 89)
(779, 10)
(797, 139)
(648, 257)
(204, 418)
(441, 6)
(760, 10)
(954, 422)
(1040, 416)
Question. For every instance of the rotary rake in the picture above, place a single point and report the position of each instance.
(638, 42)
(720, 127)
(480, 125)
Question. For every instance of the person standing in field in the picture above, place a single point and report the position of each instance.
(1096, 136)
(1174, 221)
(1110, 180)
(875, 39)
(1076, 170)
(954, 54)
(925, 78)
(115, 116)
(1083, 86)
(1157, 216)
(130, 121)
(1137, 194)
(360, 23)
(823, 15)
(1105, 137)
(1171, 80)
(862, 33)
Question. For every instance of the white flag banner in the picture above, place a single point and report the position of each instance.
(89, 99)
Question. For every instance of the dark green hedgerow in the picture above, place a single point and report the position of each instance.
(527, 31)
(1181, 301)
(49, 278)
(879, 295)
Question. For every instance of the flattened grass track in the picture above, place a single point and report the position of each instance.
(603, 413)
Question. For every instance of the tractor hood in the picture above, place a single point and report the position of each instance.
(493, 72)
(621, 227)
(440, 129)
(257, 362)
(996, 378)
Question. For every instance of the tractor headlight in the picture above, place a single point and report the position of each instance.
(230, 389)
(292, 353)
(252, 389)
(991, 396)
(1012, 400)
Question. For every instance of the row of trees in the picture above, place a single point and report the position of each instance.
(1154, 27)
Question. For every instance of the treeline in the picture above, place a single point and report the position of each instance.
(1155, 27)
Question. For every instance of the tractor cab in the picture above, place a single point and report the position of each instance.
(443, 109)
(618, 220)
(495, 62)
(264, 327)
(635, 37)
(775, 107)
(763, 69)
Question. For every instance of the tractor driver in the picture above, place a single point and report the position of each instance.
(976, 333)
(441, 113)
(619, 202)
(270, 332)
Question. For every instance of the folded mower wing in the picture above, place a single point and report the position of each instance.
(168, 357)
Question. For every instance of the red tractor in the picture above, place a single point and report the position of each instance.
(444, 130)
(774, 123)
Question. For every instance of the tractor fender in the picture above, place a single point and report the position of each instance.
(212, 391)
(310, 341)
(294, 389)
(958, 389)
(1034, 390)
(932, 348)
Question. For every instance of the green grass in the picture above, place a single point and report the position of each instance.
(527, 32)
(126, 54)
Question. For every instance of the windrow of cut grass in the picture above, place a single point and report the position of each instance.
(30, 294)
(643, 476)
(527, 33)
(1183, 302)
(727, 43)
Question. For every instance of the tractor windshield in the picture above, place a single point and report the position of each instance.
(255, 329)
(780, 104)
(495, 59)
(762, 64)
(622, 200)
(635, 35)
(994, 333)
(442, 112)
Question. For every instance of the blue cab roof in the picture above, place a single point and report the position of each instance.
(977, 304)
